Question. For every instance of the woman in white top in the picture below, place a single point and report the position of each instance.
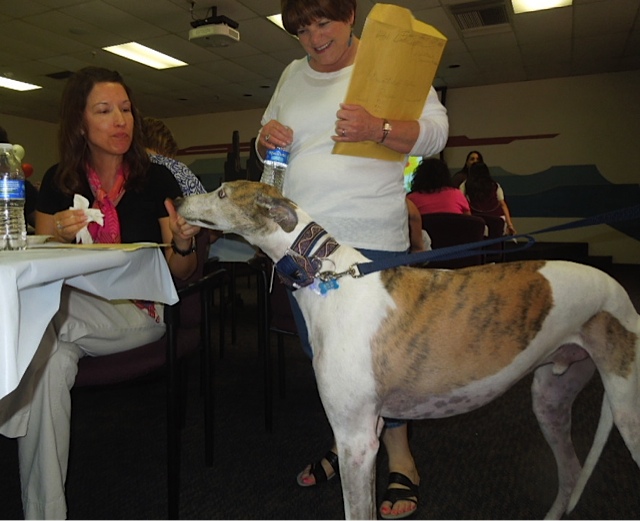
(360, 201)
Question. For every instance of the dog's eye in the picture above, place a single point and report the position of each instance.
(222, 194)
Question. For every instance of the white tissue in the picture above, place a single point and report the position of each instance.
(93, 215)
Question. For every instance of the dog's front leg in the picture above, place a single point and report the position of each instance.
(357, 449)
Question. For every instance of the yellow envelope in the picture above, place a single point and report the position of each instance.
(397, 59)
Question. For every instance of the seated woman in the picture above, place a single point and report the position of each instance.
(103, 159)
(486, 196)
(163, 149)
(431, 189)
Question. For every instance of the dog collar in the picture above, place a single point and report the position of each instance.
(299, 267)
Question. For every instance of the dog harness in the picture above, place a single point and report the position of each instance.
(302, 261)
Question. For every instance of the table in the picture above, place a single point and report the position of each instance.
(30, 287)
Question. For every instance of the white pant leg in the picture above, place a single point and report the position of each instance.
(84, 325)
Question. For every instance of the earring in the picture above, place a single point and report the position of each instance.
(308, 58)
(350, 39)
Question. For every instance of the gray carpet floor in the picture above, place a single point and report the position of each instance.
(492, 463)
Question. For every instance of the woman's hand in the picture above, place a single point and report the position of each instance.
(355, 124)
(182, 231)
(274, 134)
(63, 225)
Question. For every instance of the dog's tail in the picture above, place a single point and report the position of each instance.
(599, 440)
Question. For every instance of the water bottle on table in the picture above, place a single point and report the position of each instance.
(275, 167)
(13, 230)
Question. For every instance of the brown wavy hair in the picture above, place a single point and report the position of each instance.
(73, 148)
(158, 138)
(298, 13)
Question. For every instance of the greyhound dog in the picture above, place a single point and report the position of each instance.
(423, 343)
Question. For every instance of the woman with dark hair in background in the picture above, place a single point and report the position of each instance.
(431, 189)
(459, 177)
(486, 196)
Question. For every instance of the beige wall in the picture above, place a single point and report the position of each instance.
(597, 118)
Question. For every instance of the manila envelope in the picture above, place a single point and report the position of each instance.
(396, 62)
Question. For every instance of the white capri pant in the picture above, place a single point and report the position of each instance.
(38, 411)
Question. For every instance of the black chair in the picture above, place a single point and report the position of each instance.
(188, 332)
(495, 228)
(451, 229)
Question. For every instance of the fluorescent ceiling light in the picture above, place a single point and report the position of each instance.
(277, 19)
(17, 85)
(525, 6)
(141, 54)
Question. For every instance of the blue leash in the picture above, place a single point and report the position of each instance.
(474, 248)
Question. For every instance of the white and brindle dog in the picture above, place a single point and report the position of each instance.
(420, 343)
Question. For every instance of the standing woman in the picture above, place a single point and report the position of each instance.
(360, 201)
(103, 159)
(460, 177)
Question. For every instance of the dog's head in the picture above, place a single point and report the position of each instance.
(250, 209)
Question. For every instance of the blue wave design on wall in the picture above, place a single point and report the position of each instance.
(575, 191)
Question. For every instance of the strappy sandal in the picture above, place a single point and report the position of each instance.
(393, 495)
(318, 472)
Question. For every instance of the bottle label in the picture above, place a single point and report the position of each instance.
(278, 155)
(12, 189)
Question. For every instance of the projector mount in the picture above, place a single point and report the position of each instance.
(213, 19)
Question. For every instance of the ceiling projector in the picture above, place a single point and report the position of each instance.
(215, 31)
(214, 35)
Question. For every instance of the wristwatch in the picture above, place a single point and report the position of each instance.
(386, 128)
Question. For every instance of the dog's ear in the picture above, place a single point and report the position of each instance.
(280, 209)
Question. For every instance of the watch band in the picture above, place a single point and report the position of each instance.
(386, 128)
(184, 253)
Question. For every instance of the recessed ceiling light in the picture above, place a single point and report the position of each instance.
(17, 85)
(526, 6)
(141, 54)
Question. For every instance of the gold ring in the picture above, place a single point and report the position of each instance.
(59, 226)
(266, 138)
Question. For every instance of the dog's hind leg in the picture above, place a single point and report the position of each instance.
(553, 396)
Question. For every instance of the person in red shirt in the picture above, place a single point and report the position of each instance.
(432, 192)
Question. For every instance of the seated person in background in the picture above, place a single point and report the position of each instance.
(162, 148)
(486, 196)
(419, 238)
(459, 177)
(102, 158)
(431, 189)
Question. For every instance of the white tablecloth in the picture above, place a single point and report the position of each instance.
(30, 285)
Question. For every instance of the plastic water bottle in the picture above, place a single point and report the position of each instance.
(275, 167)
(13, 230)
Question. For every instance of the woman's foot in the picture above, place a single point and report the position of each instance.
(320, 471)
(401, 498)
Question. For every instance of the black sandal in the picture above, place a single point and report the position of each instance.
(318, 472)
(393, 495)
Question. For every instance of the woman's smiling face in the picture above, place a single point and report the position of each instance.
(328, 44)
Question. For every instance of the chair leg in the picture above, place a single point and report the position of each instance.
(173, 427)
(208, 378)
(281, 368)
(264, 347)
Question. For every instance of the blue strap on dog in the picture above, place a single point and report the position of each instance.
(467, 250)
